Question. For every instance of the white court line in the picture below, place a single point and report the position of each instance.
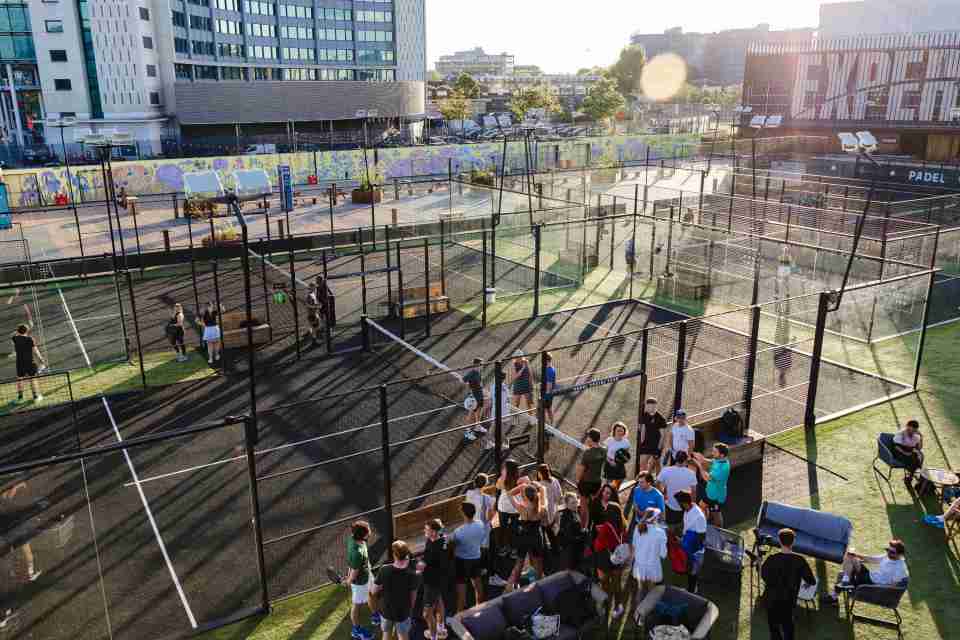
(133, 472)
(113, 316)
(153, 523)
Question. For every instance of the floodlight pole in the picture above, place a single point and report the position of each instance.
(234, 204)
(73, 201)
(836, 297)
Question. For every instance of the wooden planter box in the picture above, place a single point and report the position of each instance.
(605, 177)
(359, 196)
(234, 335)
(486, 182)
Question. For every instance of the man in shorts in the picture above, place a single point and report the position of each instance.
(358, 560)
(474, 382)
(590, 473)
(397, 586)
(468, 542)
(716, 473)
(25, 349)
(435, 571)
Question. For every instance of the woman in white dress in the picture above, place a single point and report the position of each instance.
(648, 548)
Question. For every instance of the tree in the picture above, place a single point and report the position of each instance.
(434, 76)
(535, 97)
(626, 71)
(455, 107)
(591, 71)
(466, 86)
(603, 100)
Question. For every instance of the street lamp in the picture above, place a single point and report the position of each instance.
(64, 123)
(104, 144)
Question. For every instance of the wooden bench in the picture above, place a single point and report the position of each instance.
(235, 334)
(415, 301)
(408, 526)
(685, 283)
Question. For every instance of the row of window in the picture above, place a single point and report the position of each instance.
(211, 72)
(374, 16)
(267, 52)
(296, 33)
(258, 8)
(296, 53)
(201, 23)
(375, 36)
(227, 5)
(231, 27)
(374, 56)
(14, 19)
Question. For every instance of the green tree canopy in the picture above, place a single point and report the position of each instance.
(466, 86)
(603, 100)
(535, 97)
(626, 71)
(455, 107)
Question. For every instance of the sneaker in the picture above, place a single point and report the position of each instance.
(469, 436)
(618, 611)
(217, 357)
(38, 397)
(496, 581)
(479, 429)
(375, 619)
(360, 633)
(9, 618)
(34, 575)
(210, 362)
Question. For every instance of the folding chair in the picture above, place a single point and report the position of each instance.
(885, 455)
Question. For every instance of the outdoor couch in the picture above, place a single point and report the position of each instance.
(698, 617)
(490, 620)
(820, 535)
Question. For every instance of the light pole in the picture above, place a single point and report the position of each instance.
(63, 123)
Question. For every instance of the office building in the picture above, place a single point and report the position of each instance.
(877, 17)
(714, 58)
(476, 62)
(201, 67)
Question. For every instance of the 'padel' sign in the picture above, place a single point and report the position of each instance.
(286, 187)
(599, 382)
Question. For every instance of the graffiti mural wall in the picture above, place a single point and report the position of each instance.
(29, 188)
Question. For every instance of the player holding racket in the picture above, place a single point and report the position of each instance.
(25, 349)
(474, 381)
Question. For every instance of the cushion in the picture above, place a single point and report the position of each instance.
(552, 586)
(696, 606)
(519, 605)
(485, 622)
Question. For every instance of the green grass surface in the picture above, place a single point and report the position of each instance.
(161, 369)
(878, 512)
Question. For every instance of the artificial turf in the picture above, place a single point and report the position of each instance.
(846, 446)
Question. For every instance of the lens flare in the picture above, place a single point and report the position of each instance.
(663, 76)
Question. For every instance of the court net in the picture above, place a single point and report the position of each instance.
(437, 378)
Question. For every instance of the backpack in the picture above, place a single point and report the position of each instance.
(731, 424)
(676, 555)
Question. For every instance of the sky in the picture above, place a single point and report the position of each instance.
(567, 35)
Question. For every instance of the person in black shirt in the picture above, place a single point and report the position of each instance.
(434, 569)
(782, 574)
(398, 585)
(650, 437)
(25, 349)
(211, 332)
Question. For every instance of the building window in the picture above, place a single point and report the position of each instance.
(62, 84)
(205, 72)
(183, 71)
(233, 73)
(58, 55)
(227, 5)
(154, 98)
(151, 71)
(144, 13)
(258, 8)
(181, 45)
(873, 72)
(910, 100)
(295, 11)
(261, 30)
(179, 19)
(201, 23)
(53, 26)
(231, 27)
(916, 70)
(147, 42)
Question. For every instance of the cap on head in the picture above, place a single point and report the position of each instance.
(680, 413)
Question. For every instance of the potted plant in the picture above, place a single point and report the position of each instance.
(369, 191)
(223, 234)
(481, 177)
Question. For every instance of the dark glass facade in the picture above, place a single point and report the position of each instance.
(89, 59)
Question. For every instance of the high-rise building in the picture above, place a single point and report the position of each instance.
(476, 63)
(201, 67)
(877, 17)
(714, 58)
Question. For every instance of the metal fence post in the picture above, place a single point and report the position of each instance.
(537, 231)
(266, 293)
(542, 411)
(363, 278)
(193, 269)
(216, 292)
(498, 377)
(426, 279)
(400, 295)
(751, 366)
(926, 317)
(385, 454)
(483, 280)
(249, 440)
(331, 313)
(136, 327)
(443, 260)
(293, 300)
(810, 416)
(669, 241)
(681, 363)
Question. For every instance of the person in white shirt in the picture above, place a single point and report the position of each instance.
(648, 548)
(672, 480)
(489, 441)
(614, 468)
(694, 536)
(482, 502)
(887, 569)
(681, 436)
(908, 449)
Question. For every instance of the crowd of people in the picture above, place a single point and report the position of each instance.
(517, 528)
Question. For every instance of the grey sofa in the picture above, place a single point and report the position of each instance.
(820, 535)
(699, 617)
(490, 620)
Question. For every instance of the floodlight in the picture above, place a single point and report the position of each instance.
(757, 122)
(743, 109)
(94, 139)
(67, 121)
(867, 142)
(121, 138)
(849, 142)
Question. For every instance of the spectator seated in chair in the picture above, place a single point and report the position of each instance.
(887, 569)
(908, 449)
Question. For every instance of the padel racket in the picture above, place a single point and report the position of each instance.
(334, 576)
